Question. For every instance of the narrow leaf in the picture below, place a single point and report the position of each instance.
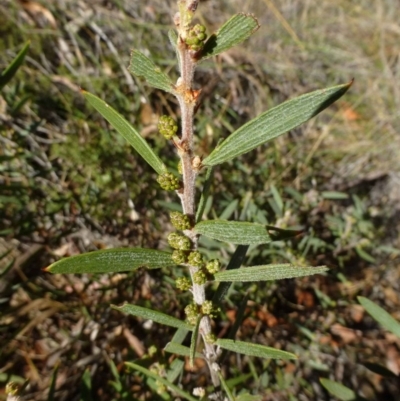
(53, 383)
(175, 369)
(204, 194)
(379, 369)
(226, 388)
(338, 390)
(380, 315)
(127, 131)
(251, 349)
(236, 232)
(178, 349)
(268, 272)
(142, 66)
(233, 32)
(279, 234)
(235, 262)
(193, 341)
(274, 122)
(175, 389)
(153, 315)
(13, 67)
(179, 336)
(112, 261)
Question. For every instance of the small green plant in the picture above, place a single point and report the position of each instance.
(193, 45)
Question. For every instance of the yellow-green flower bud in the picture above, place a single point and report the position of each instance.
(168, 182)
(179, 241)
(213, 266)
(167, 127)
(180, 221)
(209, 309)
(200, 277)
(196, 37)
(210, 338)
(192, 311)
(179, 257)
(183, 283)
(195, 259)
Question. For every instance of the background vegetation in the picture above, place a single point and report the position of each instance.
(68, 184)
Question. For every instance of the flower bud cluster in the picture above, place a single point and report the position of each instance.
(179, 241)
(192, 312)
(200, 278)
(195, 258)
(196, 37)
(180, 221)
(179, 257)
(213, 266)
(183, 283)
(208, 308)
(168, 182)
(167, 127)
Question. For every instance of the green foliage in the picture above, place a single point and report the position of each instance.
(338, 390)
(191, 47)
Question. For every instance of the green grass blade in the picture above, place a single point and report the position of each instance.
(175, 389)
(236, 30)
(267, 273)
(251, 349)
(127, 131)
(153, 315)
(338, 390)
(235, 232)
(226, 388)
(86, 387)
(193, 341)
(10, 71)
(380, 315)
(142, 66)
(112, 261)
(235, 262)
(52, 389)
(274, 123)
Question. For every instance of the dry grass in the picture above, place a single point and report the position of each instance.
(73, 185)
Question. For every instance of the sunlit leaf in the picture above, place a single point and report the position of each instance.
(236, 30)
(112, 261)
(155, 316)
(380, 315)
(175, 389)
(226, 388)
(273, 123)
(338, 390)
(13, 67)
(267, 272)
(175, 369)
(127, 131)
(142, 66)
(251, 349)
(235, 232)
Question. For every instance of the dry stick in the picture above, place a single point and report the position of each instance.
(187, 101)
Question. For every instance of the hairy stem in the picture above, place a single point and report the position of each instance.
(187, 98)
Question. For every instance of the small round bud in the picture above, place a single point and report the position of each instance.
(183, 283)
(213, 266)
(179, 241)
(179, 257)
(152, 350)
(167, 127)
(207, 307)
(195, 259)
(168, 182)
(200, 277)
(180, 221)
(196, 37)
(192, 312)
(210, 338)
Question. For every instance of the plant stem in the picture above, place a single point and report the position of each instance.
(187, 98)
